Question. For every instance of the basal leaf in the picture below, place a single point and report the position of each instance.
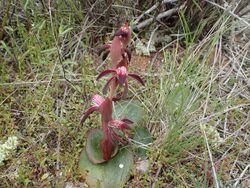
(93, 147)
(131, 110)
(112, 174)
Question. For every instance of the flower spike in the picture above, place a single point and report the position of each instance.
(118, 46)
(124, 33)
(120, 57)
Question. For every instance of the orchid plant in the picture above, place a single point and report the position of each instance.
(120, 58)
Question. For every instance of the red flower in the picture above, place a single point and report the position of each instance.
(119, 44)
(104, 106)
(120, 76)
(118, 47)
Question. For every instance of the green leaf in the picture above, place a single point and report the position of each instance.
(26, 5)
(141, 138)
(69, 62)
(62, 33)
(179, 100)
(140, 48)
(111, 174)
(44, 176)
(178, 97)
(131, 110)
(93, 147)
(49, 51)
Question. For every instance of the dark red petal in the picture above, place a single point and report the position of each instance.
(126, 24)
(118, 124)
(118, 138)
(128, 53)
(103, 48)
(124, 62)
(104, 73)
(136, 77)
(116, 98)
(87, 113)
(127, 121)
(105, 88)
(121, 33)
(105, 55)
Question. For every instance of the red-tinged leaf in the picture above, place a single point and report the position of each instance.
(105, 88)
(87, 113)
(103, 48)
(118, 124)
(93, 146)
(104, 73)
(136, 77)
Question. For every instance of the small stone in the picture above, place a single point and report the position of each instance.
(121, 165)
(142, 166)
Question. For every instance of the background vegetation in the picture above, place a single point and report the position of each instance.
(194, 58)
